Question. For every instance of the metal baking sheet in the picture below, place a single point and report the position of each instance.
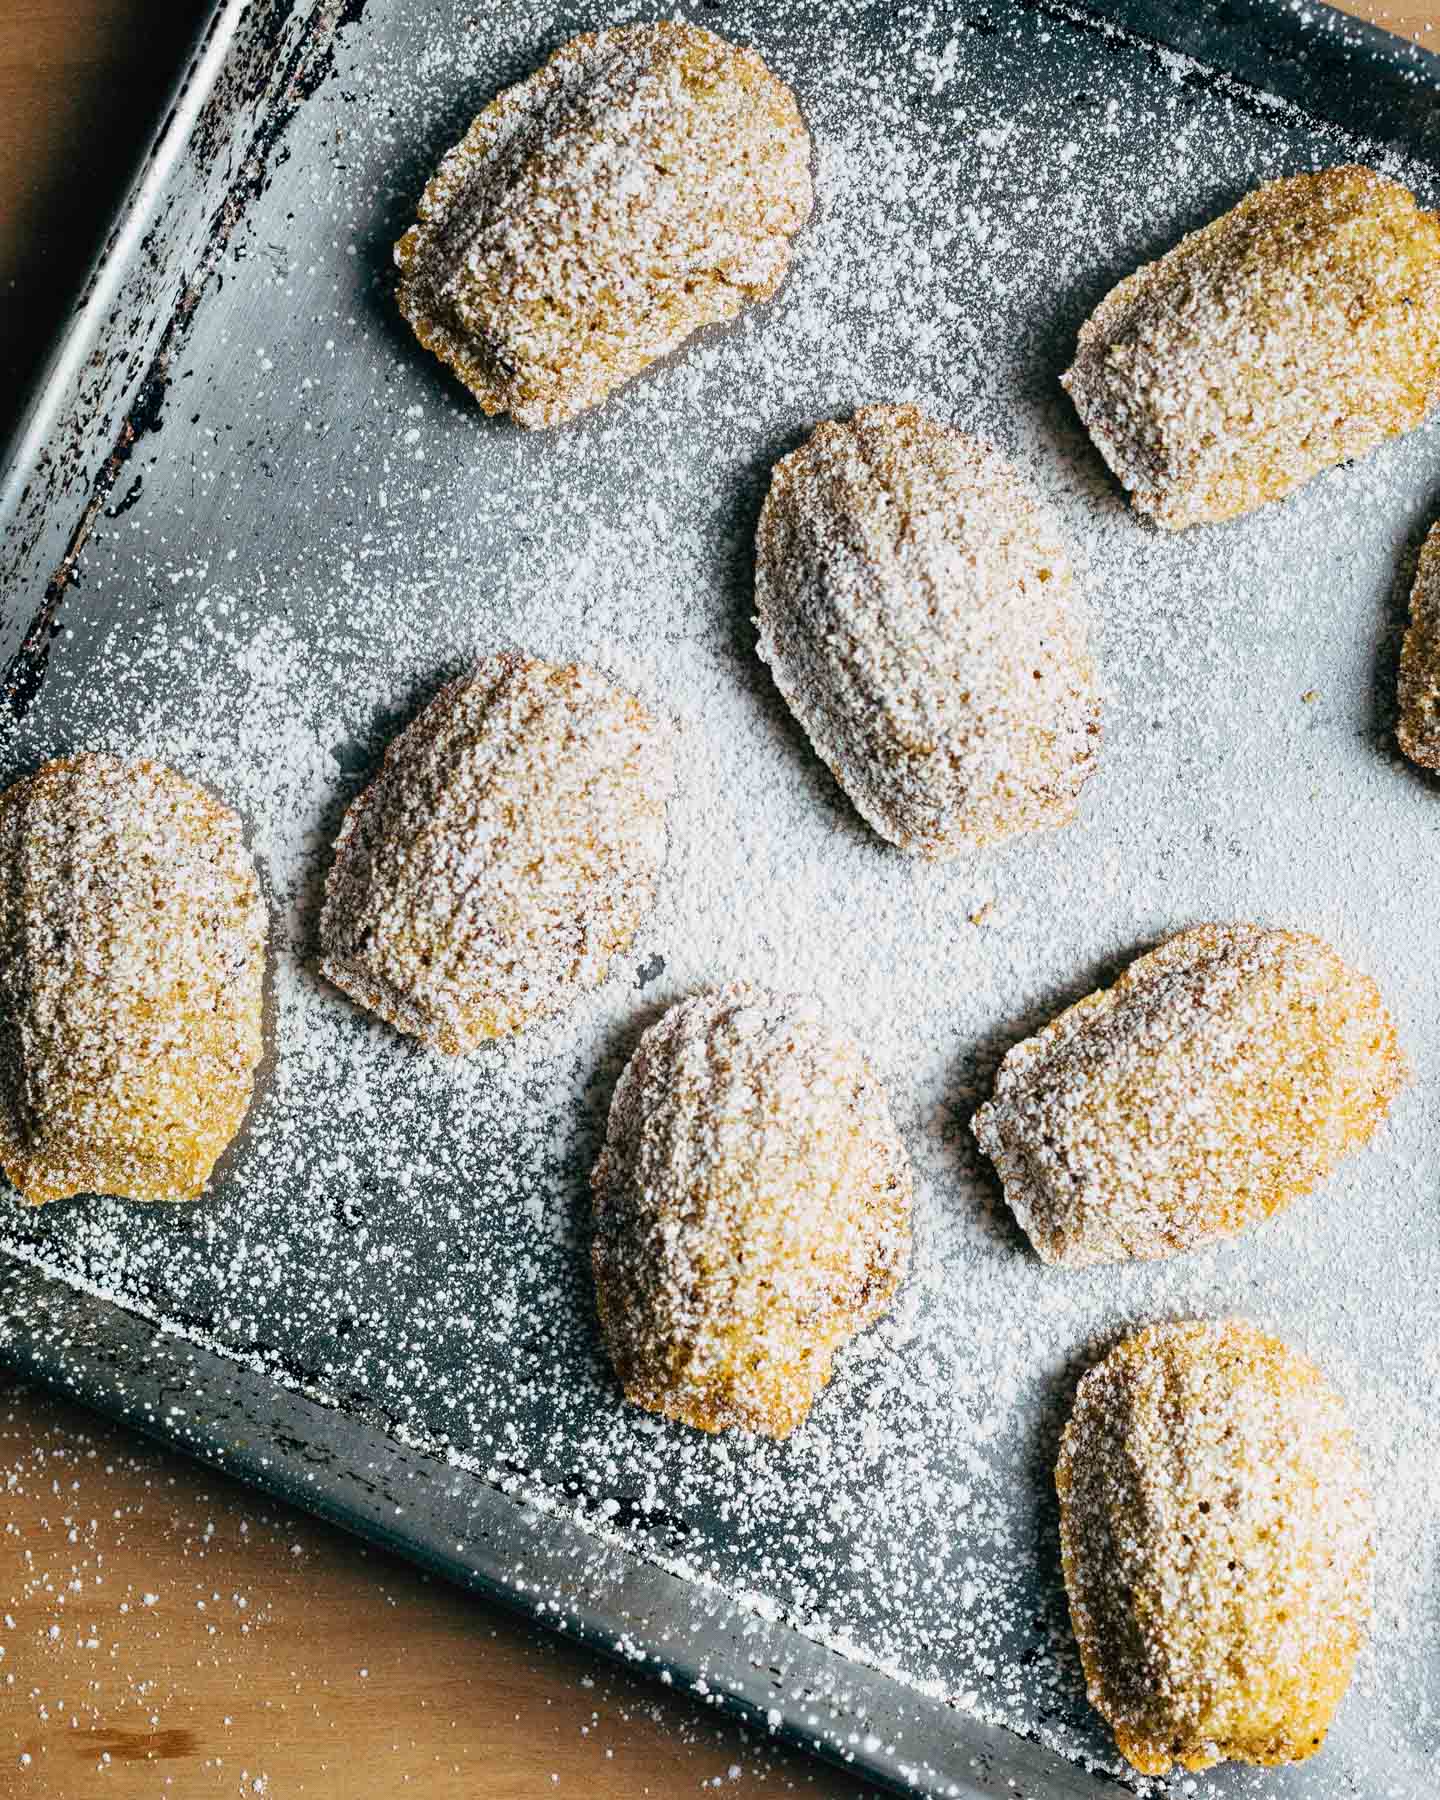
(248, 526)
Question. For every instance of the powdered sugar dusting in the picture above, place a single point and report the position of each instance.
(644, 183)
(1224, 1074)
(1294, 332)
(410, 1236)
(917, 610)
(504, 855)
(1217, 1539)
(752, 1210)
(132, 956)
(1418, 729)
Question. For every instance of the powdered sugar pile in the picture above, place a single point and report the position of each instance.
(319, 542)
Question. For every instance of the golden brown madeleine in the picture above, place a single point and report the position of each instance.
(1224, 1074)
(503, 856)
(1419, 729)
(132, 958)
(917, 610)
(647, 181)
(752, 1210)
(1298, 331)
(1216, 1535)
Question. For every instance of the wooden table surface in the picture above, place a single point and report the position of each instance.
(166, 1632)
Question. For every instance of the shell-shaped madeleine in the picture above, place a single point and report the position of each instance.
(504, 855)
(1418, 730)
(647, 181)
(1223, 1075)
(1216, 1535)
(132, 961)
(917, 610)
(752, 1210)
(1299, 330)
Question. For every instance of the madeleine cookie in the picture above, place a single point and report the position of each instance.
(1418, 731)
(132, 959)
(1216, 1534)
(1299, 330)
(918, 612)
(1223, 1075)
(504, 855)
(752, 1210)
(647, 181)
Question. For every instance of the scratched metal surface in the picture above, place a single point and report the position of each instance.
(156, 374)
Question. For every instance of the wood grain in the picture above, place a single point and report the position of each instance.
(164, 1632)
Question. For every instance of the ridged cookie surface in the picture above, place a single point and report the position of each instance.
(752, 1210)
(1216, 1535)
(1418, 731)
(1299, 330)
(503, 856)
(647, 181)
(132, 960)
(1223, 1075)
(918, 612)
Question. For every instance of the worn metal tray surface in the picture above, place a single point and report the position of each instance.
(250, 526)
